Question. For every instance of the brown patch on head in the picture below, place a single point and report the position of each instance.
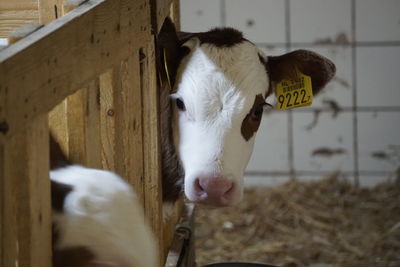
(252, 121)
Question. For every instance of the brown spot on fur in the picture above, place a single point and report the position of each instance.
(250, 123)
(72, 257)
(59, 192)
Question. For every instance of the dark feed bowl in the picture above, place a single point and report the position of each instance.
(237, 264)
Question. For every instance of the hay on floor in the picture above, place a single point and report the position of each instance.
(325, 223)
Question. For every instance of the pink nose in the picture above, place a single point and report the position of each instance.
(216, 191)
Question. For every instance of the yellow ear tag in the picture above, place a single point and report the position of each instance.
(294, 93)
(166, 68)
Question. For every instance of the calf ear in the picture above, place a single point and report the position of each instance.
(170, 50)
(320, 69)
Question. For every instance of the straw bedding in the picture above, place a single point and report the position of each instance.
(325, 223)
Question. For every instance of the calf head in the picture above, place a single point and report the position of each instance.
(220, 83)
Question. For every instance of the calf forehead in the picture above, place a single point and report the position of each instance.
(228, 76)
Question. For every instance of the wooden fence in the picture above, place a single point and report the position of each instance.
(89, 75)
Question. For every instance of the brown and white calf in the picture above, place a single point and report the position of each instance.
(97, 220)
(220, 82)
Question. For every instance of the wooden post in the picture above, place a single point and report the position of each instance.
(121, 122)
(107, 122)
(151, 145)
(25, 198)
(92, 126)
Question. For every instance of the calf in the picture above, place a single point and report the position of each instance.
(97, 220)
(220, 82)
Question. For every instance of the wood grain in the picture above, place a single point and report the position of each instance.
(94, 36)
(22, 32)
(26, 233)
(71, 4)
(49, 10)
(14, 14)
(92, 126)
(129, 124)
(151, 144)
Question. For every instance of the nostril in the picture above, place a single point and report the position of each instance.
(229, 189)
(197, 185)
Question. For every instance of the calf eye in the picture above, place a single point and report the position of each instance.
(180, 104)
(257, 112)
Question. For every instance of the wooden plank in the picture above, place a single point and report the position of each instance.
(49, 10)
(121, 122)
(71, 4)
(170, 222)
(14, 14)
(107, 121)
(92, 126)
(160, 10)
(174, 13)
(151, 144)
(75, 124)
(94, 36)
(22, 32)
(129, 130)
(58, 124)
(76, 109)
(26, 237)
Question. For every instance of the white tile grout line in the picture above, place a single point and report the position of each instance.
(354, 74)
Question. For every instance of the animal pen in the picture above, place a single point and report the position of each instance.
(86, 71)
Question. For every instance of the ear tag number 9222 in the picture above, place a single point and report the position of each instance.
(294, 93)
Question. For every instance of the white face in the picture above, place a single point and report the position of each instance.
(215, 90)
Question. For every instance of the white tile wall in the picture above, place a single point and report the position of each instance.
(199, 16)
(262, 21)
(378, 20)
(316, 20)
(379, 141)
(326, 27)
(271, 145)
(378, 70)
(328, 133)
